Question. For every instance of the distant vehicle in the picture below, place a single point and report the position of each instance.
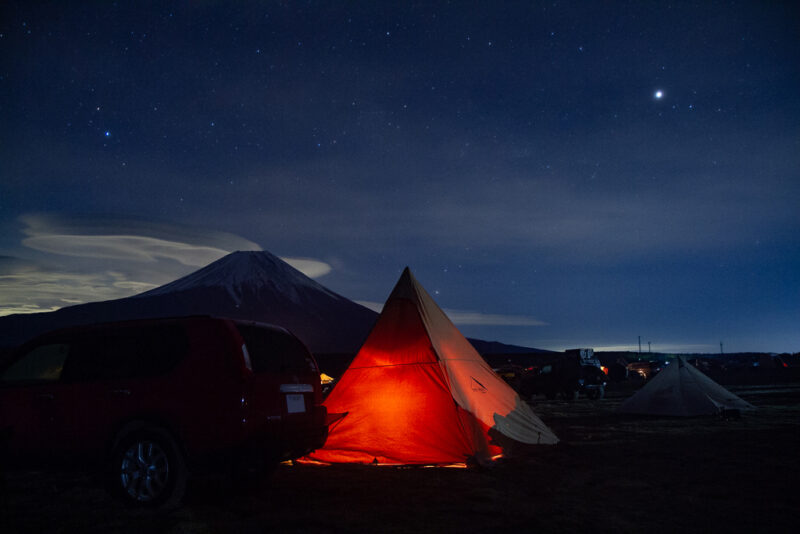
(567, 375)
(644, 369)
(773, 361)
(593, 375)
(149, 401)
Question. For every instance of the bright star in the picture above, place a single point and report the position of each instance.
(108, 133)
(659, 94)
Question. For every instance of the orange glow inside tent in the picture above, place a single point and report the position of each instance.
(418, 393)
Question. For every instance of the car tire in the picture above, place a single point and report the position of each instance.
(148, 469)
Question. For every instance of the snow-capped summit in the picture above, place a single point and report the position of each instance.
(255, 286)
(241, 272)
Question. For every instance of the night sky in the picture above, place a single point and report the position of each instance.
(555, 174)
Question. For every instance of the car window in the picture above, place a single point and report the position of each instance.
(43, 363)
(275, 351)
(126, 353)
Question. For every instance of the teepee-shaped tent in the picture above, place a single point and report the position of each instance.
(417, 392)
(682, 390)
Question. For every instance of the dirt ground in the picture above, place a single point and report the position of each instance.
(610, 474)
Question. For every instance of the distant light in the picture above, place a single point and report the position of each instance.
(108, 133)
(659, 94)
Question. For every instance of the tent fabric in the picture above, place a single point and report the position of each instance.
(682, 390)
(417, 392)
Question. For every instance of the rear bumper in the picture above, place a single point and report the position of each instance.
(295, 435)
(272, 442)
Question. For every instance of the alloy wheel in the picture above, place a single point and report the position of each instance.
(144, 472)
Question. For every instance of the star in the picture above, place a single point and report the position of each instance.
(107, 133)
(659, 94)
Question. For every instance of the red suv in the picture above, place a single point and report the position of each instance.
(157, 399)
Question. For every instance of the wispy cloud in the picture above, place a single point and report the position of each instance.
(136, 241)
(578, 208)
(463, 317)
(477, 318)
(31, 289)
(309, 267)
(90, 259)
(704, 348)
(124, 247)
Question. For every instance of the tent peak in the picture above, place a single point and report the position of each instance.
(406, 287)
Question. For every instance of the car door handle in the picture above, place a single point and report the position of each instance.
(121, 392)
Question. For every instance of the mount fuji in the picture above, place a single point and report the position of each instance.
(254, 286)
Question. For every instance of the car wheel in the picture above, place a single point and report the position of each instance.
(148, 469)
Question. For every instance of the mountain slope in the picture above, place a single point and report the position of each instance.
(246, 285)
(254, 286)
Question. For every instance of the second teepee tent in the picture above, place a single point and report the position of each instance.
(682, 390)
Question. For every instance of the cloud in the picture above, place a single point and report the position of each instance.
(126, 240)
(124, 247)
(135, 241)
(633, 199)
(29, 289)
(463, 318)
(476, 318)
(84, 259)
(704, 348)
(309, 267)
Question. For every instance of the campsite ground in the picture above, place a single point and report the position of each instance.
(610, 473)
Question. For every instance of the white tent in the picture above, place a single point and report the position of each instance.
(682, 390)
(418, 393)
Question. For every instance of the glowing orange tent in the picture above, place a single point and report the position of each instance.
(417, 392)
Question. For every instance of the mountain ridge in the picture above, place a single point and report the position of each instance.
(247, 285)
(250, 285)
